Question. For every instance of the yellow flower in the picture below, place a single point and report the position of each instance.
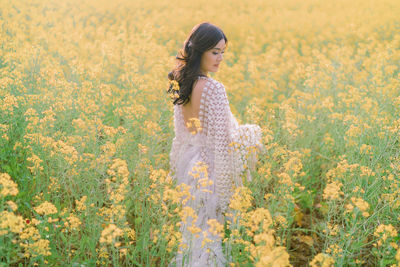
(110, 233)
(46, 208)
(80, 204)
(366, 149)
(11, 221)
(265, 238)
(332, 190)
(8, 187)
(40, 247)
(187, 212)
(385, 232)
(259, 219)
(216, 228)
(142, 148)
(30, 232)
(131, 233)
(328, 139)
(241, 199)
(195, 124)
(35, 160)
(276, 257)
(12, 205)
(322, 260)
(194, 229)
(293, 164)
(361, 204)
(398, 256)
(73, 222)
(175, 85)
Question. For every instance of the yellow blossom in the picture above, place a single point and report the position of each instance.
(362, 205)
(12, 205)
(332, 190)
(46, 208)
(385, 232)
(322, 260)
(241, 199)
(216, 228)
(110, 234)
(277, 257)
(30, 232)
(175, 85)
(8, 186)
(72, 222)
(131, 233)
(80, 204)
(10, 221)
(39, 247)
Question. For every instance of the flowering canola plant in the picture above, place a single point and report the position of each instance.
(86, 127)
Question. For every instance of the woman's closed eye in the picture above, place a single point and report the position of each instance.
(217, 53)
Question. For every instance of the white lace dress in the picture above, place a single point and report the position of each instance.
(221, 148)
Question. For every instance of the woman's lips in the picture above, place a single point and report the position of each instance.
(216, 65)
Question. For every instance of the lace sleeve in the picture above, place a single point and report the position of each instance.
(232, 147)
(220, 128)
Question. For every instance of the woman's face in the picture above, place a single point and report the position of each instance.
(211, 58)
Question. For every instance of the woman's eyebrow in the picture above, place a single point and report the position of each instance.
(217, 48)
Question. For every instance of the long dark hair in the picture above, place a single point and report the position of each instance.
(204, 36)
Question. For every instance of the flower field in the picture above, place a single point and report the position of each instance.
(86, 129)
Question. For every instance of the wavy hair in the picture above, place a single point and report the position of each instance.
(204, 36)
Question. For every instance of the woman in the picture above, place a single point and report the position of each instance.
(210, 150)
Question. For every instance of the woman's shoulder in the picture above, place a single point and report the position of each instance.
(212, 81)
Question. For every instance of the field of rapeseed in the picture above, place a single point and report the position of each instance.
(86, 128)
